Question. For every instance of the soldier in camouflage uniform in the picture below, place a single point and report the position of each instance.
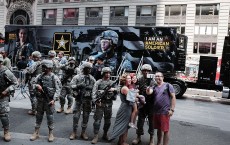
(82, 84)
(7, 83)
(104, 105)
(47, 86)
(69, 71)
(146, 110)
(31, 73)
(56, 65)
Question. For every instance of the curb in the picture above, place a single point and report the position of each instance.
(206, 98)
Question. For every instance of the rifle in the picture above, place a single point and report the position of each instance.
(46, 92)
(69, 73)
(106, 89)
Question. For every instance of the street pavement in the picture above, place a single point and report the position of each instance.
(185, 128)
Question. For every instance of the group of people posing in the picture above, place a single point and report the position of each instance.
(88, 83)
(142, 97)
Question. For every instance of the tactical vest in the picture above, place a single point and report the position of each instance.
(38, 69)
(109, 95)
(47, 81)
(3, 83)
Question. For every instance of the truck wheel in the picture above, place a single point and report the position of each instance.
(179, 89)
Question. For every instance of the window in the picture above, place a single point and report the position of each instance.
(146, 10)
(206, 29)
(46, 1)
(54, 1)
(50, 13)
(175, 10)
(67, 0)
(94, 12)
(119, 11)
(71, 13)
(204, 48)
(211, 9)
(180, 27)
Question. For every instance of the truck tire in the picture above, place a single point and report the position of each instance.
(179, 88)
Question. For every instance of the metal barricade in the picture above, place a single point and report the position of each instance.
(22, 88)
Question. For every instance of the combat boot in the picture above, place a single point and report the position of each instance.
(35, 135)
(7, 136)
(32, 112)
(151, 141)
(105, 136)
(137, 140)
(73, 135)
(51, 136)
(95, 139)
(60, 110)
(68, 111)
(84, 136)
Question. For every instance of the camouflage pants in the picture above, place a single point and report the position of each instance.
(33, 98)
(85, 106)
(142, 114)
(42, 107)
(4, 109)
(105, 110)
(66, 92)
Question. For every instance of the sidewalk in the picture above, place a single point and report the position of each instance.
(205, 95)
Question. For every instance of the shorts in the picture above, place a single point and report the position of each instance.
(161, 122)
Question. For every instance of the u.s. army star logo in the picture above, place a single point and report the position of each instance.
(61, 43)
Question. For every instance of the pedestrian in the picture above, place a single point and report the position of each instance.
(98, 67)
(164, 105)
(104, 104)
(121, 125)
(8, 83)
(31, 73)
(69, 71)
(145, 111)
(82, 85)
(47, 86)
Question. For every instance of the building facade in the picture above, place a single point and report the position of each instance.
(205, 22)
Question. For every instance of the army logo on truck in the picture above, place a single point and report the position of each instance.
(62, 42)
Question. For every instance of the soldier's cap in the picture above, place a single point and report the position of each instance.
(72, 59)
(86, 64)
(36, 54)
(1, 58)
(91, 58)
(52, 53)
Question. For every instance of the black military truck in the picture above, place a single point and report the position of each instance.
(161, 47)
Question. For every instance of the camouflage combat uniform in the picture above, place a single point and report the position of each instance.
(146, 110)
(31, 73)
(51, 86)
(103, 108)
(69, 71)
(83, 84)
(7, 84)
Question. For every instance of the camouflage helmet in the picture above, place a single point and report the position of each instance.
(111, 35)
(47, 63)
(71, 60)
(86, 64)
(105, 69)
(146, 67)
(52, 53)
(36, 54)
(1, 58)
